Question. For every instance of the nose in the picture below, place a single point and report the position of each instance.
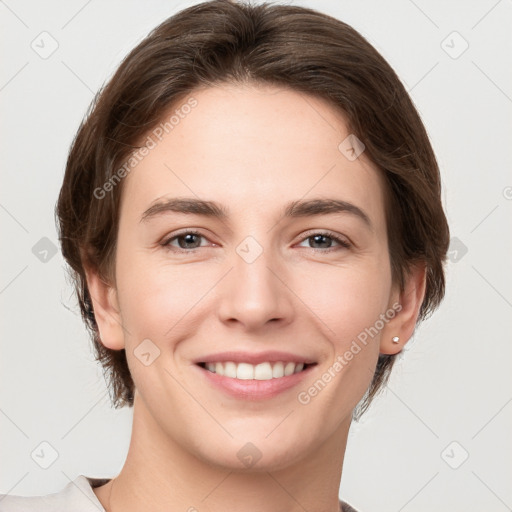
(254, 293)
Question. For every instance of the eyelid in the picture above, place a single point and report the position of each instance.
(185, 231)
(343, 241)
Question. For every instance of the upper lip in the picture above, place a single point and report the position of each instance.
(254, 358)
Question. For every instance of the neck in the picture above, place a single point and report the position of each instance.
(161, 474)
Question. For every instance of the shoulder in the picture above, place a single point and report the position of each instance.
(77, 495)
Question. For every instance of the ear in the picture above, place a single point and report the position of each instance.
(106, 310)
(402, 325)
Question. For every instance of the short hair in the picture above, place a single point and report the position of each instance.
(232, 42)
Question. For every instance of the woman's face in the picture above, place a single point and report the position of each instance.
(263, 283)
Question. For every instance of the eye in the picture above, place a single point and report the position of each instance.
(324, 240)
(188, 241)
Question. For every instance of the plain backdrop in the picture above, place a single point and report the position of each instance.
(439, 437)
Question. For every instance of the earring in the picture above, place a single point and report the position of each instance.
(395, 339)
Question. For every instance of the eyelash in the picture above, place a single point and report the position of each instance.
(343, 243)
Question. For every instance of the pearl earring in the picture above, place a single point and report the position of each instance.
(395, 339)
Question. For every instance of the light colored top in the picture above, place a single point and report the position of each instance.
(77, 496)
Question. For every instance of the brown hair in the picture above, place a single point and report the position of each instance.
(223, 41)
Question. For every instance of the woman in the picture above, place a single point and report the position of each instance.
(252, 215)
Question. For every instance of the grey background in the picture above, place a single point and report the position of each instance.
(449, 397)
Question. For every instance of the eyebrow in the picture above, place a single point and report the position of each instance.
(294, 209)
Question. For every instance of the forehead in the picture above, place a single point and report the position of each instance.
(251, 146)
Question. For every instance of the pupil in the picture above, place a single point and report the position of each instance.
(188, 240)
(318, 238)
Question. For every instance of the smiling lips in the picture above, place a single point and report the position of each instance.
(262, 381)
(255, 366)
(262, 371)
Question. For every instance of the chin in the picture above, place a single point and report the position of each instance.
(254, 451)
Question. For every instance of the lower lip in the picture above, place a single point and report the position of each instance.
(252, 389)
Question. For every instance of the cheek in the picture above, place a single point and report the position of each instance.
(156, 297)
(347, 299)
(349, 306)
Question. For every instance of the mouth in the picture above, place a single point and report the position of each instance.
(262, 371)
(248, 382)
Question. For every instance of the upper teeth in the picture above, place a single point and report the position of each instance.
(262, 371)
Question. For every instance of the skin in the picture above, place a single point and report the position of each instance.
(253, 149)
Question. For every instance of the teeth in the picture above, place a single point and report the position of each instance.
(262, 371)
(244, 371)
(289, 369)
(278, 370)
(219, 368)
